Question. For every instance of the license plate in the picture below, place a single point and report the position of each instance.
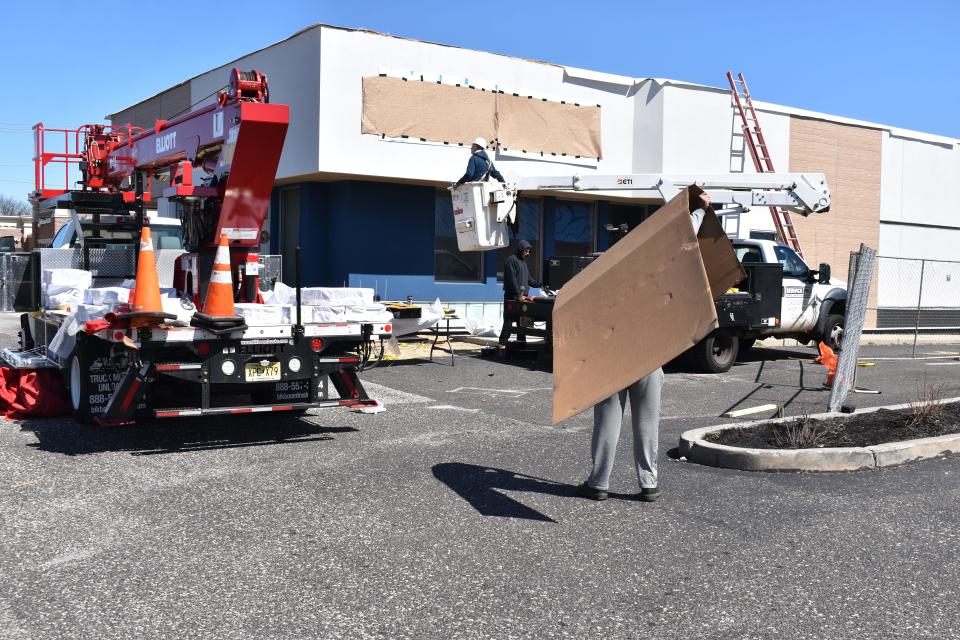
(256, 372)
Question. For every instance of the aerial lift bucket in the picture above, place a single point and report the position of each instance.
(481, 213)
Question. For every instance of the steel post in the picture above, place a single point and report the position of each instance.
(916, 327)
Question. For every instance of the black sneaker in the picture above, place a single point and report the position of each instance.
(586, 491)
(648, 494)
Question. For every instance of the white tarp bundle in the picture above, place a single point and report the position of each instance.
(323, 296)
(429, 316)
(62, 288)
(261, 315)
(481, 328)
(64, 340)
(106, 295)
(317, 305)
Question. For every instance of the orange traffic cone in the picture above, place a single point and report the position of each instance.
(829, 360)
(219, 300)
(146, 294)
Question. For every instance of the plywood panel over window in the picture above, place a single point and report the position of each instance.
(427, 110)
(850, 158)
(444, 113)
(530, 124)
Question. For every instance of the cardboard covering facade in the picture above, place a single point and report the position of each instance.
(444, 113)
(641, 304)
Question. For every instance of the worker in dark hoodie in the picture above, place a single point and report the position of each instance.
(516, 285)
(479, 167)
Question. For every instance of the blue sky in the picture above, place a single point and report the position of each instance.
(896, 63)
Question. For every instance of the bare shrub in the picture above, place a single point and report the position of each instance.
(929, 407)
(802, 433)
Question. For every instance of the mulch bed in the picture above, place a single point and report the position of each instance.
(861, 430)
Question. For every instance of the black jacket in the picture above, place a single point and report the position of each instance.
(516, 275)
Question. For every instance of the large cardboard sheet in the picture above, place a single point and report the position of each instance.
(639, 305)
(417, 109)
(530, 124)
(445, 113)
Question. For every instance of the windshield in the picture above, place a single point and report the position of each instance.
(166, 236)
(64, 236)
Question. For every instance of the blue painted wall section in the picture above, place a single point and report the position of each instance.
(381, 236)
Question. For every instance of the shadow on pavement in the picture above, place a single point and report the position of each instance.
(531, 359)
(764, 354)
(482, 487)
(175, 436)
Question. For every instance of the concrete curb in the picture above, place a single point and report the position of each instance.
(696, 449)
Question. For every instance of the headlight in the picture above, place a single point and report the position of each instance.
(293, 364)
(228, 367)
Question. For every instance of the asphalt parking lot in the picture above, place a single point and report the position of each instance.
(453, 514)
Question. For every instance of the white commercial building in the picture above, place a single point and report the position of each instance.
(381, 124)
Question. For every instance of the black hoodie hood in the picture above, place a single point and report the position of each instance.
(523, 244)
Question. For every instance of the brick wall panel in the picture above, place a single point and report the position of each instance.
(850, 158)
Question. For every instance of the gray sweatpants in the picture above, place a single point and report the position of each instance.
(645, 416)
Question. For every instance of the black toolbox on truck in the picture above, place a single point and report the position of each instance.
(756, 303)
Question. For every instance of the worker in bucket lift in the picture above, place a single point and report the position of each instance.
(516, 285)
(479, 168)
(644, 397)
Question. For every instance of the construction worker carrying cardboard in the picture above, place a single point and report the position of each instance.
(479, 167)
(644, 395)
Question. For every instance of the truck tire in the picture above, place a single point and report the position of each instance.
(717, 352)
(832, 330)
(87, 358)
(78, 386)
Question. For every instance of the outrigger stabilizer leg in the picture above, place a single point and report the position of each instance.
(123, 403)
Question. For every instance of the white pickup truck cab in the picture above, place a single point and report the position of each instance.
(811, 308)
(813, 305)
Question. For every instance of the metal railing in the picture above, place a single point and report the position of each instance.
(16, 293)
(917, 296)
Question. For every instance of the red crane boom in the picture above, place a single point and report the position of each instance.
(237, 142)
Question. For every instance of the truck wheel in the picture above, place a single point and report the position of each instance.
(833, 331)
(717, 352)
(78, 387)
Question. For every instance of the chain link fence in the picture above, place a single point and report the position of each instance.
(917, 296)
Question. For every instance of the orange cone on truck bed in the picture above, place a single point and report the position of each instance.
(219, 300)
(146, 295)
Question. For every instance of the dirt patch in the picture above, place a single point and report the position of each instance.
(861, 430)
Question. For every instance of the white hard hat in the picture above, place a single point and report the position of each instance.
(480, 142)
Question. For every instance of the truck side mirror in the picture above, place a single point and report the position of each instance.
(823, 274)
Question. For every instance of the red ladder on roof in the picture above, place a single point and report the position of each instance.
(753, 138)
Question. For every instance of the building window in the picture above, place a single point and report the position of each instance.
(449, 263)
(574, 228)
(619, 215)
(528, 219)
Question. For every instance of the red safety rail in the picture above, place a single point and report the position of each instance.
(757, 146)
(75, 150)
